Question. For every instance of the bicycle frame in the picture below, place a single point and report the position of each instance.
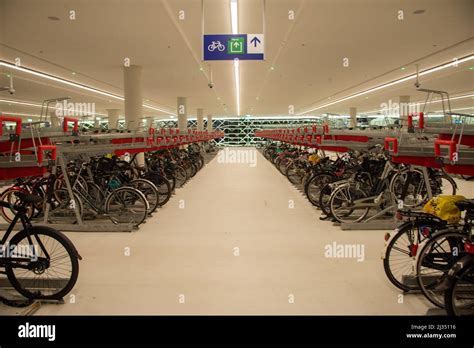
(20, 215)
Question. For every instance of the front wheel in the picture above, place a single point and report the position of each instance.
(48, 266)
(127, 205)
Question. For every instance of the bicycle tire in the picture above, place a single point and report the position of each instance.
(70, 251)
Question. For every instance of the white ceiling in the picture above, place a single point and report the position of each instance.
(306, 53)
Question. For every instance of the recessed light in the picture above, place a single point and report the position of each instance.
(53, 18)
(272, 68)
(471, 68)
(418, 11)
(402, 68)
(73, 73)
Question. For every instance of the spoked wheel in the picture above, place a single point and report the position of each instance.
(294, 173)
(150, 192)
(49, 265)
(9, 196)
(127, 205)
(180, 175)
(163, 188)
(459, 299)
(399, 261)
(325, 199)
(63, 208)
(314, 186)
(436, 258)
(342, 205)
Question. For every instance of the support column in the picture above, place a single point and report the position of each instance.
(132, 81)
(353, 119)
(182, 115)
(133, 95)
(97, 122)
(200, 119)
(209, 123)
(403, 109)
(113, 118)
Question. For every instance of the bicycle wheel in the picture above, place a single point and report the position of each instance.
(400, 255)
(9, 196)
(342, 205)
(325, 199)
(315, 184)
(51, 265)
(150, 192)
(413, 191)
(436, 258)
(62, 207)
(294, 174)
(126, 205)
(442, 183)
(181, 176)
(459, 298)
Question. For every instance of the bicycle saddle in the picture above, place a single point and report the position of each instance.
(27, 198)
(465, 204)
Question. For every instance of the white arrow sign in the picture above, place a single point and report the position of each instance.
(255, 44)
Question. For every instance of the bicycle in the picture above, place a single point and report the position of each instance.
(41, 262)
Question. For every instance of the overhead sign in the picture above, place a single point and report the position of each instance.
(229, 47)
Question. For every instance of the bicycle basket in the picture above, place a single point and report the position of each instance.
(444, 208)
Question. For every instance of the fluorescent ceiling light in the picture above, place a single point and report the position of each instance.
(237, 84)
(403, 79)
(234, 16)
(74, 84)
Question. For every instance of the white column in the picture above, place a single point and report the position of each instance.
(132, 82)
(209, 123)
(353, 119)
(133, 95)
(200, 119)
(182, 115)
(113, 118)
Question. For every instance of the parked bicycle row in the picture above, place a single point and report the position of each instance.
(114, 187)
(431, 251)
(358, 186)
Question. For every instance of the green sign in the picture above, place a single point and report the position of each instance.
(235, 46)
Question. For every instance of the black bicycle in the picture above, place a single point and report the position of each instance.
(40, 262)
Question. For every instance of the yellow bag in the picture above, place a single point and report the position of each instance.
(444, 208)
(314, 159)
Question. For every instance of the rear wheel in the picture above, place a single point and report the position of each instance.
(50, 267)
(459, 298)
(400, 255)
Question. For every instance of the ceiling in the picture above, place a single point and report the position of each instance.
(304, 57)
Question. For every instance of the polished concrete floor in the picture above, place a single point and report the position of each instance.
(237, 239)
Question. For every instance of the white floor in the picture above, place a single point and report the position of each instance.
(189, 253)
